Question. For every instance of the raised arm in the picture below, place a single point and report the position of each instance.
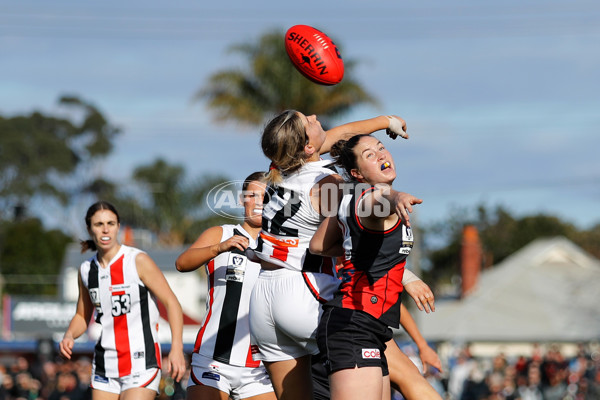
(402, 204)
(394, 125)
(79, 322)
(156, 282)
(384, 201)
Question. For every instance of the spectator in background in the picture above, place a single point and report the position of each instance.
(21, 364)
(594, 384)
(475, 386)
(459, 373)
(83, 369)
(48, 375)
(67, 388)
(509, 389)
(499, 363)
(554, 373)
(530, 388)
(8, 390)
(521, 365)
(528, 385)
(27, 386)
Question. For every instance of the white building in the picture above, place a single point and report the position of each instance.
(548, 292)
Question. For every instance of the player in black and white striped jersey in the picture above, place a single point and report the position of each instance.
(222, 364)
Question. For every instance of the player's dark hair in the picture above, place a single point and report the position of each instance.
(94, 208)
(258, 176)
(343, 153)
(283, 141)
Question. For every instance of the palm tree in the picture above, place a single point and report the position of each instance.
(176, 210)
(271, 84)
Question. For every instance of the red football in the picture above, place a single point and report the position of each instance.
(314, 54)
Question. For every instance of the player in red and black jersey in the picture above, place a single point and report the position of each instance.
(374, 240)
(374, 260)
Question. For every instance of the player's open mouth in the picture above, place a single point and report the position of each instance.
(257, 211)
(105, 238)
(385, 165)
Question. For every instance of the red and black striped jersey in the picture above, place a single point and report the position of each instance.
(127, 312)
(373, 263)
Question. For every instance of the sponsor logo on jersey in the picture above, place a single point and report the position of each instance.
(371, 353)
(100, 379)
(138, 354)
(211, 375)
(407, 240)
(284, 242)
(214, 367)
(95, 296)
(236, 268)
(118, 288)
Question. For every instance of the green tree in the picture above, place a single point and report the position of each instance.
(38, 153)
(271, 84)
(501, 235)
(175, 208)
(30, 257)
(589, 240)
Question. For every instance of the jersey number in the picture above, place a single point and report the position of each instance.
(289, 204)
(121, 304)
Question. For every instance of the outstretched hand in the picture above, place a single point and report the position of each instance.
(403, 203)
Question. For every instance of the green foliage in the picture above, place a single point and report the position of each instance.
(589, 240)
(175, 208)
(501, 235)
(37, 151)
(271, 84)
(30, 258)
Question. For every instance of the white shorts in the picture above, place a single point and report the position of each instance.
(237, 382)
(284, 313)
(149, 379)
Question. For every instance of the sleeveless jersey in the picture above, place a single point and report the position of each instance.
(225, 332)
(290, 221)
(373, 263)
(127, 312)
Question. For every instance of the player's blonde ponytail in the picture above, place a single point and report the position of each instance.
(283, 141)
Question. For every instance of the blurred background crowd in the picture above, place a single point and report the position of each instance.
(544, 375)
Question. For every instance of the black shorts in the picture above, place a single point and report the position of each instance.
(320, 378)
(350, 338)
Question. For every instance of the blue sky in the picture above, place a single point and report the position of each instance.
(502, 99)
